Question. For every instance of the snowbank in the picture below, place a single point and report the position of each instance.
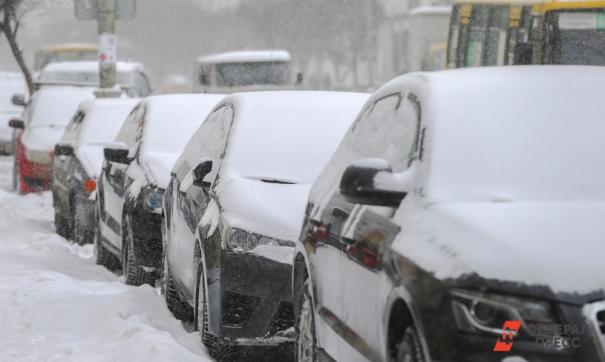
(57, 305)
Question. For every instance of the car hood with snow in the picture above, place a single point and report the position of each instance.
(530, 244)
(265, 207)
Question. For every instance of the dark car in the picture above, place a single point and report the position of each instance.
(234, 207)
(135, 173)
(77, 164)
(461, 219)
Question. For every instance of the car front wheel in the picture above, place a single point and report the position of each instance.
(306, 341)
(409, 349)
(134, 273)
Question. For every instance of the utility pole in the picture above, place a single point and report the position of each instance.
(106, 19)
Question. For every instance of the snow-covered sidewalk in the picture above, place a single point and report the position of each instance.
(57, 305)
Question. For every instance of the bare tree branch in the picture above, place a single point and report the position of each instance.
(11, 13)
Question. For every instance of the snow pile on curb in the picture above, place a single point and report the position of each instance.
(57, 305)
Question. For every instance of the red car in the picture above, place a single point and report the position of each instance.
(46, 117)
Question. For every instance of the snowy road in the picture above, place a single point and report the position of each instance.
(57, 305)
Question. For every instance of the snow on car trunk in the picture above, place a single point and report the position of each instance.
(57, 305)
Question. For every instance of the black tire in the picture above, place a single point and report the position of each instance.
(409, 349)
(218, 348)
(305, 348)
(134, 274)
(81, 235)
(179, 308)
(61, 224)
(102, 256)
(16, 174)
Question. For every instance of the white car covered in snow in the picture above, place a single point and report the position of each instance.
(234, 207)
(460, 218)
(135, 173)
(77, 164)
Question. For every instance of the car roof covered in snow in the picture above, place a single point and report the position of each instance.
(248, 56)
(508, 122)
(272, 128)
(85, 73)
(103, 118)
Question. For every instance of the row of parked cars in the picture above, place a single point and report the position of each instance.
(413, 224)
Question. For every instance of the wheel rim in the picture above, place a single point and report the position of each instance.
(306, 339)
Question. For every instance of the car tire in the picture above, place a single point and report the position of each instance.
(179, 308)
(305, 348)
(409, 349)
(217, 347)
(133, 272)
(61, 224)
(80, 234)
(16, 173)
(103, 257)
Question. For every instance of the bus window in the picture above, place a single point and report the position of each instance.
(495, 44)
(477, 36)
(576, 37)
(452, 42)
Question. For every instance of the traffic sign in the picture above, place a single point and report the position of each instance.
(87, 9)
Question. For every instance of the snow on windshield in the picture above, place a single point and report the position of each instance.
(531, 142)
(104, 121)
(56, 105)
(288, 136)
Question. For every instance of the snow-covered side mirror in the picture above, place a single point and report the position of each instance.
(117, 152)
(16, 123)
(372, 182)
(200, 173)
(63, 150)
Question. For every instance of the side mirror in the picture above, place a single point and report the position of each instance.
(524, 54)
(117, 153)
(18, 100)
(372, 182)
(16, 123)
(64, 150)
(200, 172)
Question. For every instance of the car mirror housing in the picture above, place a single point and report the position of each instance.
(201, 171)
(117, 153)
(64, 150)
(16, 123)
(18, 100)
(372, 182)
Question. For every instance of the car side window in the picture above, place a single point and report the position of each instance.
(130, 133)
(378, 134)
(208, 142)
(70, 136)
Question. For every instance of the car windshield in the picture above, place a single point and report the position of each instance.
(271, 143)
(539, 145)
(579, 39)
(244, 74)
(102, 124)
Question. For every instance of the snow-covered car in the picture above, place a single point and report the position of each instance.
(234, 207)
(135, 173)
(461, 217)
(10, 85)
(61, 89)
(77, 164)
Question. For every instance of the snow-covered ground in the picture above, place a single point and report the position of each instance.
(57, 305)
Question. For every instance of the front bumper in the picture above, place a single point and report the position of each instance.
(255, 303)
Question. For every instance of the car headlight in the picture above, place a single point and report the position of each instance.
(153, 198)
(481, 312)
(239, 239)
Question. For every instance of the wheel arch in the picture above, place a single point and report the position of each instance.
(402, 313)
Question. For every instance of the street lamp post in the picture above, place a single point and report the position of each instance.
(106, 20)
